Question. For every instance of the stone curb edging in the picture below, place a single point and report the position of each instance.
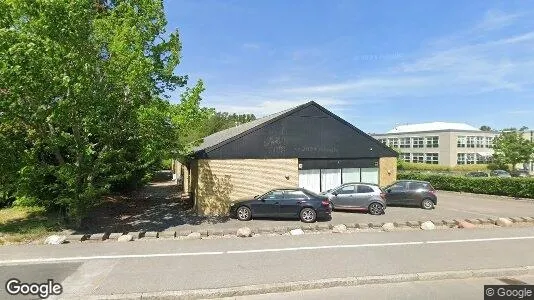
(320, 284)
(309, 228)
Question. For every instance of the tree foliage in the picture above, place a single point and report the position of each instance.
(82, 109)
(512, 148)
(485, 128)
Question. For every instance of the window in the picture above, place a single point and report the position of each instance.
(405, 143)
(405, 157)
(365, 189)
(470, 158)
(418, 157)
(274, 195)
(432, 158)
(470, 142)
(350, 175)
(489, 142)
(483, 159)
(330, 178)
(480, 142)
(383, 141)
(370, 175)
(401, 185)
(432, 141)
(460, 159)
(418, 142)
(295, 195)
(461, 141)
(394, 142)
(349, 189)
(310, 180)
(419, 185)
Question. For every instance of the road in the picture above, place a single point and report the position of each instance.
(450, 206)
(172, 265)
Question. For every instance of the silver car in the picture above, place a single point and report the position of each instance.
(358, 196)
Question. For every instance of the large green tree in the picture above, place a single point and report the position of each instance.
(511, 148)
(82, 108)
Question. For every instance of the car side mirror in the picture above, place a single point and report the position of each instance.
(256, 197)
(334, 193)
(388, 190)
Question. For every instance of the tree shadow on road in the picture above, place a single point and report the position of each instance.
(156, 207)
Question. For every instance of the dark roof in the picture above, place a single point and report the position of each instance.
(219, 139)
(227, 134)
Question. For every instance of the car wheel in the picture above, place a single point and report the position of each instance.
(308, 215)
(243, 213)
(376, 208)
(427, 204)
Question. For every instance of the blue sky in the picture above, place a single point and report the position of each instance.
(374, 63)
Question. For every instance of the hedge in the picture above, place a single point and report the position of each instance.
(429, 167)
(513, 187)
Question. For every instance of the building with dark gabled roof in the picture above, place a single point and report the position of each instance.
(305, 146)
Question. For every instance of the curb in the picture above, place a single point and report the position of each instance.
(319, 284)
(307, 228)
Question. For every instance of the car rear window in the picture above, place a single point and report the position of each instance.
(420, 185)
(365, 189)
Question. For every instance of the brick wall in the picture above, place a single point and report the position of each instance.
(218, 182)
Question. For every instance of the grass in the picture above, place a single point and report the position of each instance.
(26, 224)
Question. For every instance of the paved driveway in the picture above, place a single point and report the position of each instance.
(450, 206)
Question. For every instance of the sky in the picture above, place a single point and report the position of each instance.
(377, 64)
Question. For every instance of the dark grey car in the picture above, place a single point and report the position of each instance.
(358, 196)
(412, 192)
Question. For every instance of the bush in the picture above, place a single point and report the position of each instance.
(513, 187)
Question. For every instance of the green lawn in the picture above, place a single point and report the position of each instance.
(26, 224)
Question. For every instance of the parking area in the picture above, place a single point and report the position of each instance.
(450, 206)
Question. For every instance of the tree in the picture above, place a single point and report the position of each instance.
(83, 107)
(512, 148)
(485, 128)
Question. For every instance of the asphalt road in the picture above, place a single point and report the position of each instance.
(459, 289)
(450, 206)
(171, 265)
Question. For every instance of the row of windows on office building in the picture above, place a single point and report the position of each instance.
(472, 159)
(427, 158)
(475, 142)
(412, 142)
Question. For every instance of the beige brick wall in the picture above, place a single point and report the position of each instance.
(221, 181)
(387, 170)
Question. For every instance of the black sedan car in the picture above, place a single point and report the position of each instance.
(411, 192)
(283, 203)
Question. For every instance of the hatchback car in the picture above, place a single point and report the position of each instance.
(283, 203)
(520, 173)
(411, 192)
(477, 174)
(500, 173)
(357, 196)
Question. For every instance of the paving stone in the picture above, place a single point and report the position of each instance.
(98, 236)
(114, 235)
(215, 232)
(428, 225)
(151, 235)
(297, 231)
(244, 232)
(167, 234)
(125, 238)
(466, 225)
(55, 239)
(474, 221)
(183, 232)
(503, 222)
(339, 228)
(137, 234)
(362, 226)
(194, 236)
(388, 227)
